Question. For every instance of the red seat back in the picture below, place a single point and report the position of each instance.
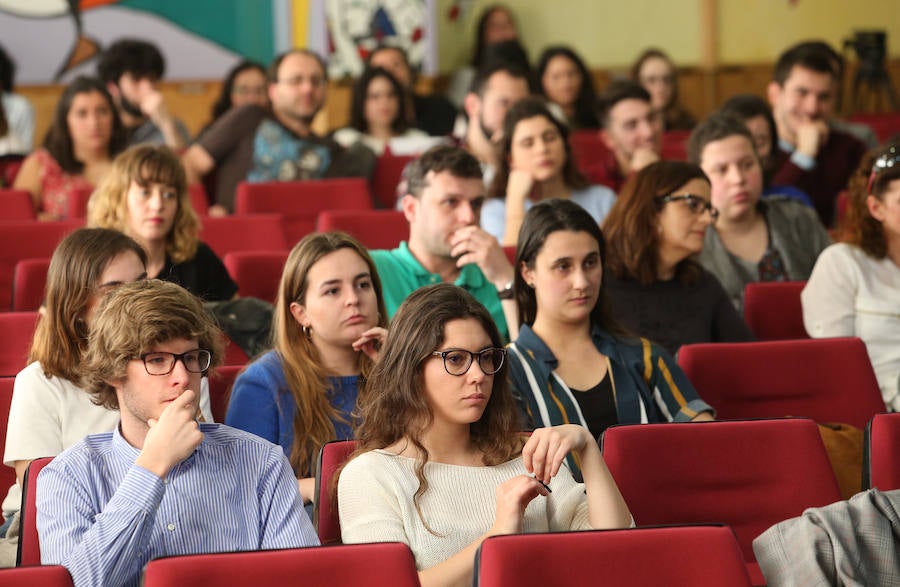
(885, 124)
(29, 544)
(674, 145)
(748, 474)
(827, 379)
(325, 513)
(257, 273)
(220, 385)
(300, 202)
(199, 200)
(41, 576)
(678, 555)
(375, 229)
(883, 452)
(18, 332)
(77, 203)
(7, 474)
(17, 205)
(27, 240)
(259, 232)
(773, 310)
(388, 171)
(9, 168)
(29, 283)
(587, 148)
(380, 564)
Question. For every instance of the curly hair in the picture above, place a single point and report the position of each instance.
(858, 226)
(145, 164)
(134, 318)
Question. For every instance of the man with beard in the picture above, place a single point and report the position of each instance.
(257, 144)
(443, 204)
(131, 70)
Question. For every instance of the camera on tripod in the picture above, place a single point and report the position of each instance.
(870, 47)
(871, 81)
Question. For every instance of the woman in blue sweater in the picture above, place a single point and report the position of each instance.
(328, 326)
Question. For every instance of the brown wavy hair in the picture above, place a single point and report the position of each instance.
(60, 339)
(394, 407)
(631, 228)
(145, 164)
(133, 319)
(306, 378)
(858, 226)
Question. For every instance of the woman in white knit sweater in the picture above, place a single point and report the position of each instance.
(439, 465)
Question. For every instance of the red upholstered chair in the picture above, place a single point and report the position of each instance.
(773, 310)
(388, 171)
(7, 474)
(379, 564)
(29, 282)
(234, 355)
(17, 205)
(510, 253)
(375, 229)
(325, 513)
(220, 385)
(18, 331)
(883, 453)
(199, 200)
(27, 240)
(674, 145)
(77, 203)
(677, 555)
(257, 273)
(29, 544)
(885, 124)
(748, 474)
(826, 379)
(300, 202)
(40, 576)
(9, 168)
(259, 232)
(587, 148)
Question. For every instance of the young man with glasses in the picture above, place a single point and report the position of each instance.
(160, 484)
(254, 143)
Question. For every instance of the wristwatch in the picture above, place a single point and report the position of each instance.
(507, 292)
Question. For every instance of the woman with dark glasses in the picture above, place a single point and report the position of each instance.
(776, 239)
(439, 465)
(854, 289)
(571, 361)
(656, 288)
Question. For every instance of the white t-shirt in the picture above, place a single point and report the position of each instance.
(850, 293)
(412, 142)
(47, 415)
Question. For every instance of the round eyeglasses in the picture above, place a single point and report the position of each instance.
(696, 204)
(458, 361)
(162, 363)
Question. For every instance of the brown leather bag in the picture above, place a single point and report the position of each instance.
(844, 444)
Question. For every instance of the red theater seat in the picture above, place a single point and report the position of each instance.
(27, 240)
(257, 273)
(883, 452)
(259, 232)
(29, 543)
(325, 515)
(773, 310)
(18, 331)
(375, 229)
(29, 283)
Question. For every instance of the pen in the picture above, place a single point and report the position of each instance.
(547, 487)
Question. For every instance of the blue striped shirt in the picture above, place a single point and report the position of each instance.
(104, 518)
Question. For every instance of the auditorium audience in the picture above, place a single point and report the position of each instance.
(656, 287)
(378, 116)
(439, 465)
(145, 196)
(160, 482)
(656, 72)
(753, 239)
(571, 361)
(328, 326)
(78, 150)
(854, 289)
(564, 80)
(536, 163)
(50, 411)
(132, 70)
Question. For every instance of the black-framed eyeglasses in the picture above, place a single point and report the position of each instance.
(162, 363)
(696, 204)
(886, 160)
(458, 361)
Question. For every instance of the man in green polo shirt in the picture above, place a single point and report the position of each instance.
(445, 192)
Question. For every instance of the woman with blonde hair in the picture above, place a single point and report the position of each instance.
(145, 196)
(439, 465)
(329, 323)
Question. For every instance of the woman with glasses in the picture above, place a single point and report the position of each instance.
(655, 71)
(439, 465)
(536, 164)
(753, 239)
(854, 289)
(49, 411)
(656, 288)
(329, 323)
(571, 361)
